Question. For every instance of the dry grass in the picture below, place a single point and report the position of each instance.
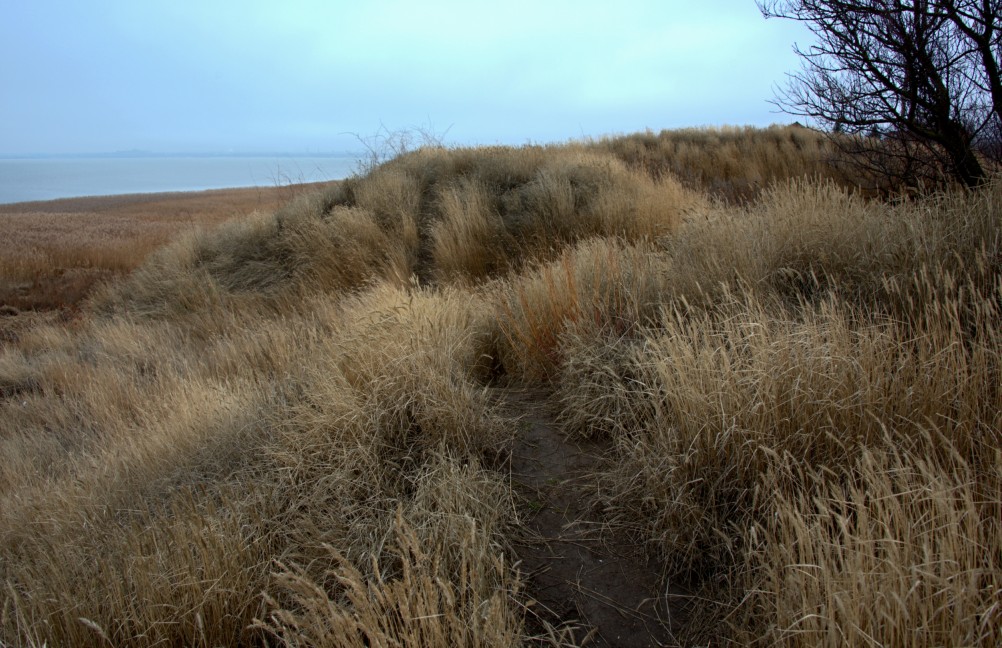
(733, 163)
(601, 287)
(900, 548)
(477, 213)
(155, 477)
(53, 253)
(276, 432)
(814, 447)
(442, 582)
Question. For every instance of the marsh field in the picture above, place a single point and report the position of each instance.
(701, 387)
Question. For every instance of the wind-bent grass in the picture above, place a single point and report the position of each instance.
(734, 164)
(144, 448)
(277, 432)
(815, 449)
(445, 584)
(901, 547)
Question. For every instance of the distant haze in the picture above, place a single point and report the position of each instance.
(47, 178)
(303, 75)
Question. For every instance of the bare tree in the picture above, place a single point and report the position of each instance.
(921, 75)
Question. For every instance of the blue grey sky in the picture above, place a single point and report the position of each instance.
(302, 75)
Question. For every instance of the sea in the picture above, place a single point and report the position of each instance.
(48, 178)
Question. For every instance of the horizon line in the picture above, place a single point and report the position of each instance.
(138, 153)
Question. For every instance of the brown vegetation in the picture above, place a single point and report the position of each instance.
(53, 253)
(287, 430)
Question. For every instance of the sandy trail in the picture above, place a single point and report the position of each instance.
(583, 576)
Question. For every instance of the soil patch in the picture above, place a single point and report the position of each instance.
(588, 582)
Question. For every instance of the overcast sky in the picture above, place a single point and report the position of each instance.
(299, 75)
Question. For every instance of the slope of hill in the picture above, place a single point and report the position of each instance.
(316, 426)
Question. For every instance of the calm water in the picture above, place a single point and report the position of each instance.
(49, 178)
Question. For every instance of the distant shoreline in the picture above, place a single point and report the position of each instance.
(117, 155)
(54, 252)
(54, 178)
(71, 204)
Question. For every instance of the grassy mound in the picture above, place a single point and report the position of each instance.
(283, 431)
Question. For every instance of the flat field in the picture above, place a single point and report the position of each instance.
(53, 252)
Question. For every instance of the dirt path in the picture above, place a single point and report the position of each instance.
(583, 576)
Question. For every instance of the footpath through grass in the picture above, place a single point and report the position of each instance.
(287, 430)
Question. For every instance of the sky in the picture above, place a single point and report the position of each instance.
(305, 76)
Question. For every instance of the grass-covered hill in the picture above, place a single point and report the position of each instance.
(296, 429)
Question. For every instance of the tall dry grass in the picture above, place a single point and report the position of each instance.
(277, 432)
(480, 213)
(899, 548)
(810, 437)
(155, 476)
(442, 581)
(736, 163)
